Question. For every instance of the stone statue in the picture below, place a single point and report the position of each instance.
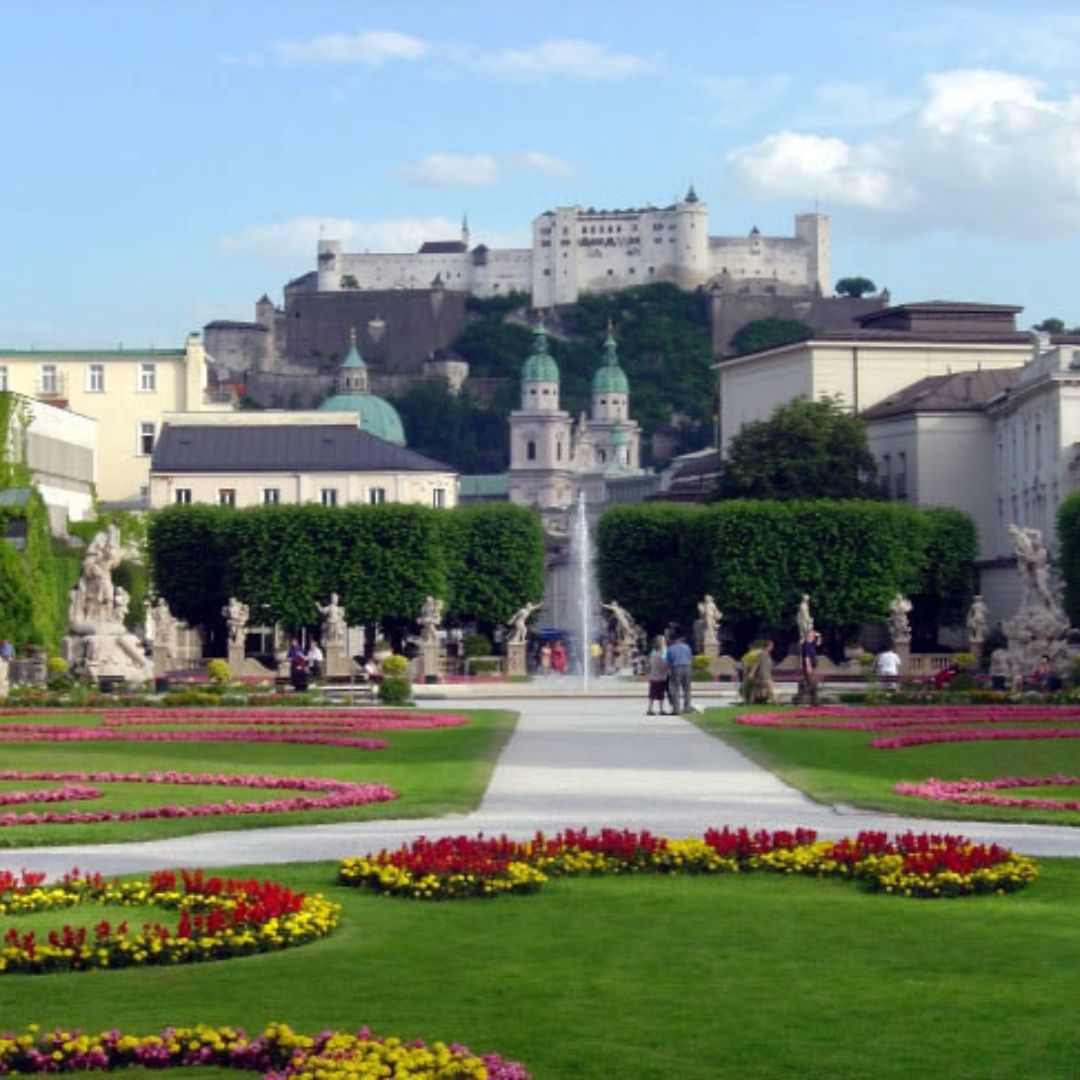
(519, 623)
(899, 627)
(333, 627)
(98, 645)
(803, 619)
(1039, 627)
(430, 619)
(977, 622)
(625, 628)
(710, 619)
(236, 618)
(164, 626)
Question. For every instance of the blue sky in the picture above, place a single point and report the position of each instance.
(166, 163)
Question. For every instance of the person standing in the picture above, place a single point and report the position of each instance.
(558, 658)
(680, 659)
(887, 666)
(761, 684)
(658, 672)
(315, 659)
(545, 659)
(808, 661)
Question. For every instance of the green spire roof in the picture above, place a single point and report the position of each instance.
(353, 359)
(541, 366)
(619, 436)
(610, 377)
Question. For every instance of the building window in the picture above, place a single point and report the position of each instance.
(271, 496)
(95, 378)
(182, 496)
(901, 476)
(377, 496)
(886, 475)
(226, 496)
(147, 378)
(530, 451)
(146, 437)
(4, 378)
(438, 498)
(558, 451)
(328, 496)
(48, 378)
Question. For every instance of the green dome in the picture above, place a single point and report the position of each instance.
(541, 366)
(377, 417)
(610, 377)
(619, 436)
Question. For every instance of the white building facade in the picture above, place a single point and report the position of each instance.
(127, 391)
(578, 251)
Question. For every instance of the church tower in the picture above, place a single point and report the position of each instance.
(541, 468)
(615, 438)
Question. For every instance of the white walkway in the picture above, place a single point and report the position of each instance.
(572, 762)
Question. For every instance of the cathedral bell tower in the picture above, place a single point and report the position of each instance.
(541, 468)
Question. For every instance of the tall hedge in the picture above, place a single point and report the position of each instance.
(758, 557)
(382, 561)
(1068, 529)
(649, 560)
(495, 562)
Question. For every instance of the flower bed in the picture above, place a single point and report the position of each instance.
(885, 718)
(351, 719)
(923, 865)
(929, 738)
(219, 918)
(278, 1053)
(323, 795)
(978, 792)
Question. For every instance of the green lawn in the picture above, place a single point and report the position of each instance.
(438, 771)
(741, 976)
(840, 767)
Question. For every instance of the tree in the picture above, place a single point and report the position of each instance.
(805, 450)
(855, 287)
(766, 333)
(1050, 326)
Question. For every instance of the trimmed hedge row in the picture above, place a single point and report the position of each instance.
(382, 561)
(758, 557)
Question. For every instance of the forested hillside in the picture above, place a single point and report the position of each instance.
(664, 347)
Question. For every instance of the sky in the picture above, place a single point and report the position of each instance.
(164, 164)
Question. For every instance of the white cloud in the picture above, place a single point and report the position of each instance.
(371, 48)
(538, 161)
(985, 150)
(570, 57)
(452, 170)
(291, 244)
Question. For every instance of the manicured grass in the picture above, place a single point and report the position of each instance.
(436, 771)
(748, 976)
(841, 767)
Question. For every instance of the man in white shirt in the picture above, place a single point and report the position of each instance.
(887, 665)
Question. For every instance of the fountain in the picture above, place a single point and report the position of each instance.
(588, 599)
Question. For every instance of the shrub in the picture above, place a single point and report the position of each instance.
(395, 691)
(484, 666)
(701, 669)
(217, 670)
(57, 665)
(395, 666)
(964, 661)
(477, 645)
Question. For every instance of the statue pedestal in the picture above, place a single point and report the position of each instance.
(903, 650)
(515, 658)
(3, 678)
(336, 662)
(162, 661)
(711, 651)
(236, 657)
(429, 661)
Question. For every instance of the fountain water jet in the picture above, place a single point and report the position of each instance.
(588, 598)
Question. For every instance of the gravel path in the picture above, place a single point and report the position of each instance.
(572, 762)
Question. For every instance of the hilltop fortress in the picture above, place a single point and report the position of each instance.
(409, 308)
(576, 251)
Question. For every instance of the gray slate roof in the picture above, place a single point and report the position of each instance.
(295, 447)
(962, 391)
